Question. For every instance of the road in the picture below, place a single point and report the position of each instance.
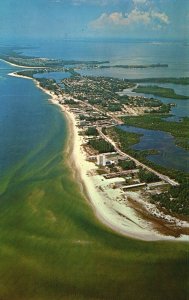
(138, 163)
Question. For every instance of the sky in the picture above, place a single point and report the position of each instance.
(78, 19)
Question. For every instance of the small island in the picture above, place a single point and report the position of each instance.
(159, 91)
(135, 66)
(181, 80)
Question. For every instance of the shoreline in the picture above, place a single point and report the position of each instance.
(111, 207)
(19, 66)
(128, 224)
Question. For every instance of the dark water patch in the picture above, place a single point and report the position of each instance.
(169, 155)
(53, 75)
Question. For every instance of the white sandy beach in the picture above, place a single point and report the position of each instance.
(110, 205)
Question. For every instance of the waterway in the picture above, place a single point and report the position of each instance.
(169, 155)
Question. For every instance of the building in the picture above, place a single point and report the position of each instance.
(101, 160)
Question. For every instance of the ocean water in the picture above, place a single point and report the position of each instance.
(26, 131)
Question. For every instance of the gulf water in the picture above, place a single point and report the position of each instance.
(31, 129)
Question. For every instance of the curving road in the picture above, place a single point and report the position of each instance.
(138, 163)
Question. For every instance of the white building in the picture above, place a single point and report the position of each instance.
(101, 160)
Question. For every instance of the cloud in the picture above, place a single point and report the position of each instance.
(162, 17)
(136, 16)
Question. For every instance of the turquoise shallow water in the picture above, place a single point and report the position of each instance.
(31, 129)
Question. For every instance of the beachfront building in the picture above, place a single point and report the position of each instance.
(101, 160)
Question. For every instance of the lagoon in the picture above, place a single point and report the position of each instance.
(169, 155)
(57, 76)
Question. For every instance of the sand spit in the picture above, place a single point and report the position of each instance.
(19, 66)
(113, 206)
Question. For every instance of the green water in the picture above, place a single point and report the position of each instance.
(51, 244)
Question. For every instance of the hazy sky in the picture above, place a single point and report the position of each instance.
(94, 18)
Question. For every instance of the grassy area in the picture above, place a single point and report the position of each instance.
(177, 195)
(180, 130)
(159, 91)
(127, 164)
(91, 131)
(126, 139)
(101, 145)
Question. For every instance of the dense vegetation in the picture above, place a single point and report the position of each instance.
(127, 164)
(135, 66)
(27, 73)
(23, 60)
(101, 145)
(180, 130)
(152, 105)
(49, 84)
(114, 107)
(175, 200)
(125, 139)
(90, 118)
(71, 102)
(146, 176)
(181, 80)
(95, 101)
(91, 131)
(159, 91)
